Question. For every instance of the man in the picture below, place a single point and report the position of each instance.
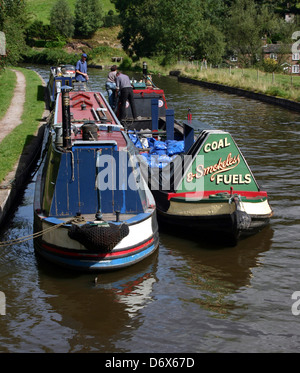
(126, 92)
(110, 86)
(81, 69)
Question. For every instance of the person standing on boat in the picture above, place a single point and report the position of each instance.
(126, 93)
(111, 87)
(81, 69)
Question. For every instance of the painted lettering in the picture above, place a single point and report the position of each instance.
(220, 167)
(236, 179)
(216, 145)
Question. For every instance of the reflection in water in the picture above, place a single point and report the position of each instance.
(98, 314)
(190, 296)
(215, 279)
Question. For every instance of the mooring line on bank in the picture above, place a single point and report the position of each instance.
(34, 235)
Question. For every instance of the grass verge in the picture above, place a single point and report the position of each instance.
(278, 85)
(13, 144)
(7, 86)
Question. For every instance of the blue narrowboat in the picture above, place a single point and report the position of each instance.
(93, 211)
(60, 76)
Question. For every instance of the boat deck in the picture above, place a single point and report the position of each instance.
(109, 217)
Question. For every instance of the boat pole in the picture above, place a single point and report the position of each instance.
(145, 71)
(66, 117)
(98, 215)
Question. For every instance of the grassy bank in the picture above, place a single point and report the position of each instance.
(13, 144)
(7, 86)
(40, 9)
(278, 85)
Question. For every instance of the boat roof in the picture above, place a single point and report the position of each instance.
(91, 108)
(87, 106)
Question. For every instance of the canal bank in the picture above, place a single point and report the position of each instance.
(288, 104)
(12, 186)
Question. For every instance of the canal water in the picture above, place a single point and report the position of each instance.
(190, 296)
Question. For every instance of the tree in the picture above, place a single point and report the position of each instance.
(62, 19)
(88, 17)
(210, 44)
(159, 27)
(139, 31)
(179, 22)
(13, 20)
(247, 25)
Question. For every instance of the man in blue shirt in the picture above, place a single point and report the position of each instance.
(81, 69)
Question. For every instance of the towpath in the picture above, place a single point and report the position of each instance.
(11, 186)
(14, 113)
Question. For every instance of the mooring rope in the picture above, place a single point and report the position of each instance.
(37, 234)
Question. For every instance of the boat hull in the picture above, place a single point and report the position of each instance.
(222, 219)
(59, 248)
(92, 209)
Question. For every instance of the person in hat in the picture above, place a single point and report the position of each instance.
(81, 69)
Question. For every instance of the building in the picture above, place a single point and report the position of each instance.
(284, 55)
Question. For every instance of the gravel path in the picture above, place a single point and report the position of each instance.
(13, 115)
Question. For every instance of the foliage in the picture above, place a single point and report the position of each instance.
(210, 44)
(159, 27)
(126, 64)
(245, 28)
(111, 19)
(62, 19)
(13, 19)
(270, 65)
(88, 17)
(200, 29)
(40, 9)
(103, 52)
(166, 30)
(53, 56)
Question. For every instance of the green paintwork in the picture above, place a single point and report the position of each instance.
(218, 166)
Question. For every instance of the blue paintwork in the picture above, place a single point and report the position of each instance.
(80, 195)
(103, 264)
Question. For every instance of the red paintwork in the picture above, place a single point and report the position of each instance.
(207, 193)
(151, 90)
(89, 99)
(98, 255)
(79, 116)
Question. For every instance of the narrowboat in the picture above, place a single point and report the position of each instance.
(203, 185)
(62, 75)
(93, 211)
(198, 175)
(146, 96)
